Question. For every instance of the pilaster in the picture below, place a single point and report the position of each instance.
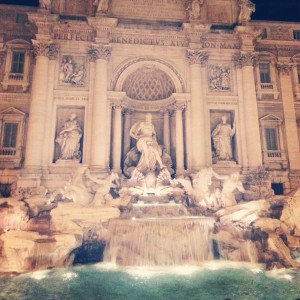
(290, 122)
(245, 61)
(43, 51)
(99, 55)
(198, 60)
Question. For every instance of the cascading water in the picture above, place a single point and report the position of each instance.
(160, 241)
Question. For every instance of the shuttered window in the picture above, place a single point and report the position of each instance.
(271, 138)
(10, 135)
(17, 65)
(264, 70)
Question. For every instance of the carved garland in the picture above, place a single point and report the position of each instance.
(48, 49)
(284, 68)
(197, 56)
(244, 59)
(98, 52)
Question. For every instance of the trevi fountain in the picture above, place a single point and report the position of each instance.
(151, 188)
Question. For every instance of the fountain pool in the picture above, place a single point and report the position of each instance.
(216, 280)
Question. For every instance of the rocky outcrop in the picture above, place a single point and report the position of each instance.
(24, 251)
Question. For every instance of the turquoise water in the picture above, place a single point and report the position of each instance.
(215, 280)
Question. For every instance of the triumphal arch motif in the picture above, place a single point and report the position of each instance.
(136, 87)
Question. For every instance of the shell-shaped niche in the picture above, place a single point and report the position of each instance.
(148, 83)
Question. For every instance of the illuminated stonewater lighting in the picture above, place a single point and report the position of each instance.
(160, 242)
(148, 150)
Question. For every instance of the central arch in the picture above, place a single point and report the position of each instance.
(128, 68)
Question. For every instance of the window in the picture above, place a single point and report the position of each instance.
(296, 34)
(264, 70)
(17, 65)
(271, 138)
(274, 154)
(10, 135)
(12, 128)
(22, 18)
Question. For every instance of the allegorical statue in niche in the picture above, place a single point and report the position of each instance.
(69, 138)
(46, 4)
(102, 6)
(222, 137)
(246, 10)
(151, 152)
(194, 8)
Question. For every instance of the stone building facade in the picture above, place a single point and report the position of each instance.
(223, 91)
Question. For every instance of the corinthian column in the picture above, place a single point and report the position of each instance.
(290, 121)
(117, 138)
(245, 61)
(197, 60)
(99, 55)
(179, 139)
(167, 143)
(38, 107)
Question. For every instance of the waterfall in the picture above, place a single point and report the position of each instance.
(44, 253)
(161, 241)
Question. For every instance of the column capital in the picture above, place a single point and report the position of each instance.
(45, 48)
(284, 68)
(179, 106)
(165, 111)
(119, 105)
(97, 51)
(244, 59)
(197, 56)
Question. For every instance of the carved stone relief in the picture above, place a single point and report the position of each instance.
(72, 71)
(219, 78)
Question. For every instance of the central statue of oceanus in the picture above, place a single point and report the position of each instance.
(147, 156)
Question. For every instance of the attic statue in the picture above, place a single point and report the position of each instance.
(246, 10)
(102, 6)
(194, 8)
(46, 4)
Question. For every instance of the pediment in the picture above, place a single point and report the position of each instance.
(13, 111)
(270, 117)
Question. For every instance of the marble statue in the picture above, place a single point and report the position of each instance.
(102, 5)
(246, 10)
(85, 189)
(222, 136)
(145, 135)
(198, 191)
(76, 189)
(69, 138)
(194, 8)
(102, 187)
(230, 184)
(46, 4)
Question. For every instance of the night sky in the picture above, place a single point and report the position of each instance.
(276, 10)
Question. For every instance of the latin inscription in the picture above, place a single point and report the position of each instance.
(154, 41)
(75, 35)
(220, 45)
